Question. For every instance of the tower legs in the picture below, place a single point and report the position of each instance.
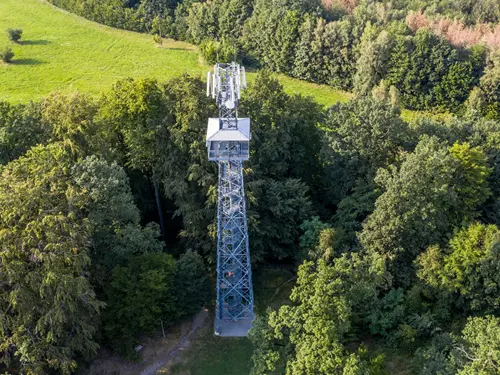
(234, 307)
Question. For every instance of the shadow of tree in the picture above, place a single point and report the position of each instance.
(27, 62)
(40, 42)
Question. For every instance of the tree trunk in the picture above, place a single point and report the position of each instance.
(159, 207)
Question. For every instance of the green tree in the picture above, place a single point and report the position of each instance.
(50, 312)
(308, 336)
(423, 201)
(135, 115)
(21, 127)
(187, 176)
(368, 131)
(480, 349)
(467, 267)
(361, 136)
(485, 98)
(107, 201)
(72, 121)
(192, 287)
(418, 65)
(140, 296)
(275, 211)
(372, 64)
(310, 248)
(284, 167)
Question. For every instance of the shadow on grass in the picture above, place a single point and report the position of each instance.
(40, 42)
(27, 62)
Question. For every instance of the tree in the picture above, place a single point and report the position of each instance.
(14, 35)
(475, 351)
(367, 131)
(192, 287)
(51, 313)
(468, 266)
(140, 295)
(308, 336)
(284, 167)
(422, 202)
(136, 115)
(6, 55)
(187, 175)
(72, 121)
(372, 64)
(279, 54)
(480, 348)
(21, 127)
(275, 211)
(361, 136)
(485, 98)
(340, 53)
(418, 65)
(107, 201)
(310, 248)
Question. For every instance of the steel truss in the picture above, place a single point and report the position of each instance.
(235, 302)
(234, 272)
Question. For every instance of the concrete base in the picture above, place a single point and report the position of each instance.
(238, 328)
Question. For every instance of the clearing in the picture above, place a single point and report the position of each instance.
(61, 51)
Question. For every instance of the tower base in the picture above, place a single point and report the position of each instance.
(232, 328)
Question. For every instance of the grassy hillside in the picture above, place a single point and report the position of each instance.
(61, 51)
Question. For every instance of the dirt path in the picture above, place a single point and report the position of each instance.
(158, 351)
(183, 343)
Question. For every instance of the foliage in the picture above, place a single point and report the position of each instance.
(308, 337)
(6, 54)
(191, 284)
(310, 240)
(429, 184)
(372, 63)
(434, 359)
(388, 313)
(50, 312)
(212, 51)
(468, 267)
(140, 295)
(480, 349)
(484, 98)
(367, 131)
(14, 35)
(428, 71)
(113, 217)
(21, 127)
(361, 136)
(71, 119)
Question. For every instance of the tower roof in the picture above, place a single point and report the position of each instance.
(216, 134)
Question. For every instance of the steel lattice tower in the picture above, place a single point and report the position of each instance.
(228, 139)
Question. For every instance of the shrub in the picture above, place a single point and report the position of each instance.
(6, 55)
(158, 39)
(14, 35)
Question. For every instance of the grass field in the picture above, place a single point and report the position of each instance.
(60, 51)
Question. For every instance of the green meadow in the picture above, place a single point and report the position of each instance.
(63, 52)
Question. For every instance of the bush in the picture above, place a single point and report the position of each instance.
(6, 55)
(158, 39)
(14, 35)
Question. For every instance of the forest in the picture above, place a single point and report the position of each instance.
(108, 204)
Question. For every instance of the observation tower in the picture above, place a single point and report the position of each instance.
(228, 144)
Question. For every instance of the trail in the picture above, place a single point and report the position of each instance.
(182, 344)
